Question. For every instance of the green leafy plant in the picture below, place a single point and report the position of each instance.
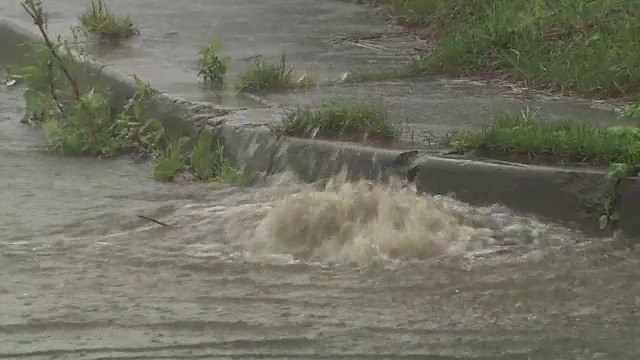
(212, 66)
(98, 20)
(207, 161)
(171, 161)
(204, 162)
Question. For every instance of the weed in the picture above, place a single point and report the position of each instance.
(267, 75)
(204, 157)
(340, 121)
(171, 161)
(85, 128)
(205, 162)
(98, 20)
(587, 47)
(212, 67)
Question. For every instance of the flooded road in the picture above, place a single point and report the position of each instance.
(288, 271)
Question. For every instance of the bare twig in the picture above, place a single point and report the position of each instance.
(36, 12)
(52, 88)
(154, 221)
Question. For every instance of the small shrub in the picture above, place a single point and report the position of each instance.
(89, 127)
(98, 20)
(85, 128)
(340, 121)
(267, 75)
(212, 67)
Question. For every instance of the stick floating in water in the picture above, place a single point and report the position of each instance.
(154, 221)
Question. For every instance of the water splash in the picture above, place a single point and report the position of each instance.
(360, 222)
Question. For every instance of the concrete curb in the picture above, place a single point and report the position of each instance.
(574, 197)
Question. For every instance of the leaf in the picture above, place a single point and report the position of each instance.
(137, 110)
(603, 221)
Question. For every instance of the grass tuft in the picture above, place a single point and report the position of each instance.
(271, 75)
(586, 47)
(340, 121)
(98, 20)
(525, 137)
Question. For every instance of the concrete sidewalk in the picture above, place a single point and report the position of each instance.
(326, 38)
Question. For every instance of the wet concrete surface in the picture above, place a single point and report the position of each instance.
(318, 37)
(435, 106)
(324, 38)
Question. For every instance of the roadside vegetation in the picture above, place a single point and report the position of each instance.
(204, 161)
(340, 121)
(526, 138)
(586, 47)
(80, 121)
(212, 66)
(271, 75)
(99, 21)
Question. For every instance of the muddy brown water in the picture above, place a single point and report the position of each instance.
(288, 271)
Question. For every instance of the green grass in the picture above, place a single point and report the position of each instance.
(98, 20)
(523, 136)
(340, 121)
(586, 47)
(271, 75)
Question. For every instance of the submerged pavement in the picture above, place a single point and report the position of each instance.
(324, 38)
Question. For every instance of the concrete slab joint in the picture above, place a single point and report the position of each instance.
(570, 196)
